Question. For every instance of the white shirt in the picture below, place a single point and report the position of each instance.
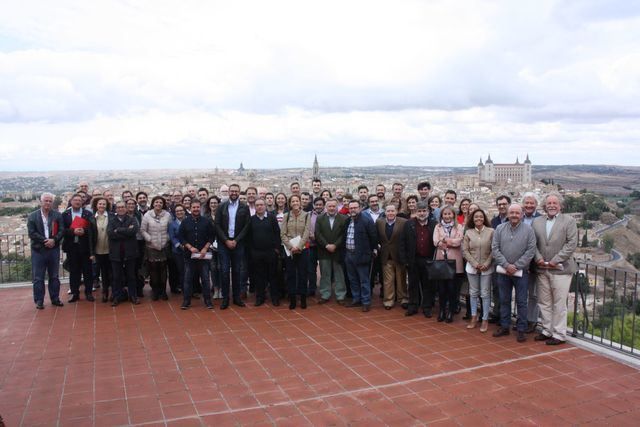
(549, 225)
(45, 222)
(233, 209)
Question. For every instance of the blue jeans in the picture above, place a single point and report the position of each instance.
(358, 279)
(42, 262)
(201, 268)
(232, 270)
(297, 267)
(506, 284)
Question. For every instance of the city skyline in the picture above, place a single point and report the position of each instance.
(162, 84)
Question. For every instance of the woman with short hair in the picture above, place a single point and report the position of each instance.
(155, 230)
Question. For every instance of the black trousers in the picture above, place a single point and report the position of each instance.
(124, 274)
(158, 277)
(263, 273)
(139, 264)
(422, 291)
(104, 267)
(79, 271)
(176, 271)
(448, 292)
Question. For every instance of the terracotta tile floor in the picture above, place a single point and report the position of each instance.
(90, 364)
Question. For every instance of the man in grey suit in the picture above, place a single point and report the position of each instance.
(329, 235)
(557, 239)
(46, 230)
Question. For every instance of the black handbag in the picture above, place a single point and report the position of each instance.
(441, 269)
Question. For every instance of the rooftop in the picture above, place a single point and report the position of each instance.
(90, 364)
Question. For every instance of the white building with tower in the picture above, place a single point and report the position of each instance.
(504, 173)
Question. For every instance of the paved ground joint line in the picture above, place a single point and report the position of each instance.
(371, 388)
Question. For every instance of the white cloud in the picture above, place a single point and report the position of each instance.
(273, 82)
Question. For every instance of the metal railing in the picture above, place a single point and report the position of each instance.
(15, 259)
(605, 307)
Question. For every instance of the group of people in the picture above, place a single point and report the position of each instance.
(274, 245)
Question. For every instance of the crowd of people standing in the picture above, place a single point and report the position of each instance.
(236, 242)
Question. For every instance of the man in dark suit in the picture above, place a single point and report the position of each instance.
(329, 235)
(502, 202)
(79, 245)
(394, 277)
(232, 225)
(416, 249)
(361, 243)
(46, 230)
(264, 243)
(123, 252)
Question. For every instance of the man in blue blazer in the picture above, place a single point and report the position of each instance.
(361, 243)
(46, 230)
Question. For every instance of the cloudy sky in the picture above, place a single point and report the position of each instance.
(126, 84)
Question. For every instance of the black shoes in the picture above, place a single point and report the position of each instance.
(105, 297)
(40, 305)
(427, 313)
(410, 312)
(531, 327)
(404, 305)
(303, 301)
(275, 302)
(500, 332)
(541, 337)
(74, 298)
(225, 304)
(115, 302)
(135, 301)
(164, 297)
(185, 306)
(292, 302)
(354, 304)
(449, 318)
(239, 303)
(90, 298)
(441, 316)
(258, 303)
(366, 308)
(57, 303)
(521, 337)
(322, 301)
(209, 306)
(554, 341)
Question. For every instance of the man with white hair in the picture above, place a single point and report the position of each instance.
(557, 236)
(530, 212)
(223, 193)
(46, 230)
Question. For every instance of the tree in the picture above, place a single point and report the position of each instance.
(635, 194)
(585, 240)
(607, 243)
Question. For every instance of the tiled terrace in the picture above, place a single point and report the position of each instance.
(90, 364)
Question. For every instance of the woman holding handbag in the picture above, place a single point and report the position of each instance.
(447, 237)
(294, 232)
(476, 249)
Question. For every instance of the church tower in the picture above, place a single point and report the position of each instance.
(316, 169)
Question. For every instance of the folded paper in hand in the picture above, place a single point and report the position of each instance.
(196, 255)
(500, 269)
(294, 243)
